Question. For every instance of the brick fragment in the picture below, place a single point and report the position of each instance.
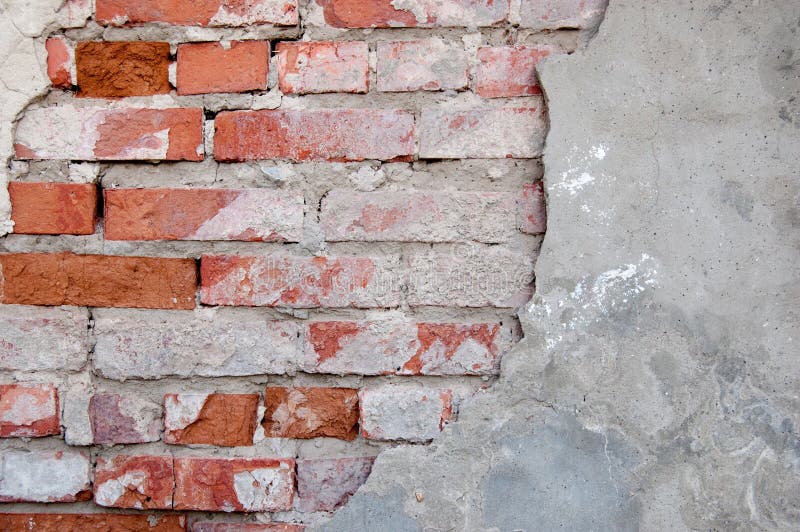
(481, 133)
(44, 476)
(234, 485)
(205, 343)
(384, 347)
(60, 342)
(140, 482)
(28, 411)
(92, 522)
(60, 62)
(506, 71)
(404, 412)
(556, 14)
(247, 527)
(422, 13)
(311, 413)
(198, 12)
(53, 208)
(210, 67)
(124, 419)
(417, 216)
(317, 67)
(532, 209)
(314, 134)
(428, 64)
(324, 485)
(97, 280)
(298, 282)
(100, 134)
(121, 69)
(226, 420)
(254, 215)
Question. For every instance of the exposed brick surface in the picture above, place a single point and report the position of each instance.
(44, 476)
(324, 485)
(211, 214)
(92, 523)
(97, 280)
(317, 67)
(424, 13)
(403, 412)
(506, 71)
(234, 485)
(311, 413)
(296, 282)
(390, 347)
(532, 209)
(198, 12)
(60, 60)
(428, 64)
(299, 135)
(53, 208)
(121, 419)
(246, 527)
(140, 482)
(481, 133)
(97, 133)
(28, 411)
(554, 14)
(411, 216)
(211, 67)
(120, 69)
(214, 419)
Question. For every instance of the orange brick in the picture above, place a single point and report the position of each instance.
(53, 208)
(209, 67)
(140, 482)
(120, 69)
(226, 420)
(311, 413)
(59, 62)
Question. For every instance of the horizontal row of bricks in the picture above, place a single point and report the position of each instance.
(387, 412)
(266, 215)
(116, 134)
(142, 522)
(164, 482)
(122, 69)
(538, 14)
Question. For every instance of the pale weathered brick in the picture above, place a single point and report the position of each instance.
(27, 410)
(481, 133)
(411, 13)
(234, 485)
(326, 484)
(418, 216)
(221, 419)
(60, 62)
(206, 343)
(317, 67)
(38, 338)
(381, 347)
(555, 14)
(216, 526)
(404, 412)
(532, 209)
(428, 64)
(197, 12)
(76, 522)
(139, 482)
(256, 214)
(506, 71)
(124, 419)
(44, 476)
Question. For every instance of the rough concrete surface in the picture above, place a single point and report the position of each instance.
(657, 384)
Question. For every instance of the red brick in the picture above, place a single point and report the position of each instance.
(317, 67)
(247, 527)
(481, 133)
(97, 280)
(532, 209)
(254, 215)
(311, 413)
(53, 208)
(555, 14)
(44, 476)
(121, 69)
(219, 419)
(423, 13)
(297, 282)
(234, 485)
(318, 134)
(100, 133)
(404, 412)
(210, 67)
(92, 523)
(382, 347)
(417, 216)
(140, 482)
(123, 419)
(325, 485)
(28, 411)
(198, 12)
(506, 71)
(60, 60)
(429, 64)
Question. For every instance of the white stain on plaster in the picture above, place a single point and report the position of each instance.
(580, 173)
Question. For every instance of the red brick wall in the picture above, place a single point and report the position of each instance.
(255, 243)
